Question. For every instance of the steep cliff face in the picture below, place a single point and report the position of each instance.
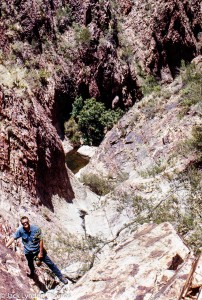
(160, 34)
(47, 62)
(31, 153)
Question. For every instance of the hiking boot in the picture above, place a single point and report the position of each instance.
(64, 280)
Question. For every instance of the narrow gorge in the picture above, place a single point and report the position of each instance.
(100, 146)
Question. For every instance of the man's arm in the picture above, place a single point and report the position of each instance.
(10, 241)
(15, 236)
(40, 255)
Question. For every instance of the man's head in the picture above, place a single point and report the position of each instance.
(25, 222)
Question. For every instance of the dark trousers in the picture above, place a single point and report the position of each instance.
(46, 260)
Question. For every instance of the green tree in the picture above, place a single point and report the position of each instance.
(89, 121)
(77, 107)
(94, 119)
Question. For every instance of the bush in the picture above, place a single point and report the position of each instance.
(77, 107)
(153, 171)
(43, 76)
(93, 119)
(192, 81)
(64, 17)
(193, 144)
(196, 141)
(97, 184)
(82, 35)
(150, 85)
(72, 131)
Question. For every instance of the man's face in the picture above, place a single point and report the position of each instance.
(25, 223)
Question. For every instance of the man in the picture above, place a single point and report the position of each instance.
(33, 247)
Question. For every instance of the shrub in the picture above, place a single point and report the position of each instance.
(82, 35)
(192, 91)
(89, 121)
(153, 171)
(127, 54)
(110, 117)
(93, 119)
(43, 76)
(77, 107)
(150, 85)
(64, 17)
(72, 131)
(192, 144)
(196, 141)
(97, 184)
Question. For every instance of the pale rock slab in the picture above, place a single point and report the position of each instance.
(87, 150)
(150, 263)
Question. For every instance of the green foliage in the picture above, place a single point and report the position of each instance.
(196, 140)
(139, 204)
(190, 224)
(64, 17)
(127, 54)
(93, 119)
(186, 224)
(110, 117)
(82, 35)
(77, 107)
(192, 81)
(72, 131)
(194, 143)
(153, 171)
(64, 12)
(97, 184)
(150, 85)
(89, 121)
(43, 76)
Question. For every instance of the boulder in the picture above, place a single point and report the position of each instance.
(87, 150)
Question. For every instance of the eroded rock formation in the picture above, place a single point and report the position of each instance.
(54, 51)
(13, 280)
(161, 34)
(150, 263)
(31, 153)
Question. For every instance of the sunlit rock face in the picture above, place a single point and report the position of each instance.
(150, 263)
(14, 282)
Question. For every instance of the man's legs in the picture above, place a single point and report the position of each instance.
(30, 261)
(51, 265)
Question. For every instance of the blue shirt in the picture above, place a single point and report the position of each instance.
(30, 238)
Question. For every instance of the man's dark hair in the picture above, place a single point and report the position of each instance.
(23, 218)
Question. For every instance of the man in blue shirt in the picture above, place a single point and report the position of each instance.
(33, 247)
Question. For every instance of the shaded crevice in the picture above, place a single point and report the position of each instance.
(176, 261)
(62, 107)
(51, 173)
(83, 90)
(177, 52)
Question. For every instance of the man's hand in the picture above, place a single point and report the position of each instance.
(10, 242)
(40, 255)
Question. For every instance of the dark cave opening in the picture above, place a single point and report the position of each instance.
(61, 111)
(176, 53)
(83, 91)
